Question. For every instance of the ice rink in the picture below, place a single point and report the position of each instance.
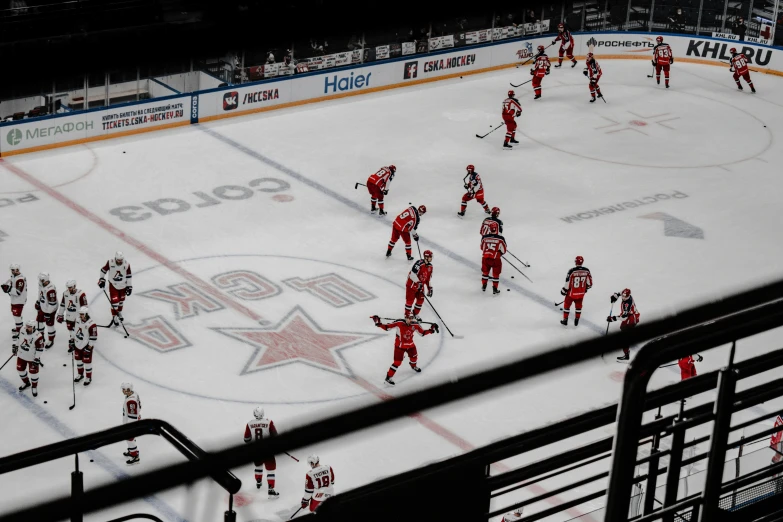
(257, 264)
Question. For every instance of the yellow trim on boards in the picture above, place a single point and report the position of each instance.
(346, 94)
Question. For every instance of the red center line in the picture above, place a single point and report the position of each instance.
(425, 421)
(135, 243)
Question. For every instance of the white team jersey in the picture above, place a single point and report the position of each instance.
(85, 333)
(258, 429)
(47, 297)
(17, 297)
(131, 409)
(70, 304)
(474, 182)
(318, 483)
(27, 349)
(117, 274)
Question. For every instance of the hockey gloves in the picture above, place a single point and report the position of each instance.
(60, 319)
(415, 236)
(563, 291)
(376, 320)
(653, 62)
(385, 192)
(38, 306)
(6, 288)
(519, 113)
(128, 290)
(584, 72)
(429, 293)
(531, 72)
(434, 327)
(613, 298)
(101, 282)
(305, 502)
(611, 318)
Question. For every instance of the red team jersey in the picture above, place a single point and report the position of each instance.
(628, 311)
(740, 64)
(474, 183)
(421, 272)
(405, 333)
(493, 246)
(578, 282)
(491, 225)
(594, 71)
(510, 108)
(407, 220)
(662, 54)
(565, 38)
(381, 178)
(541, 65)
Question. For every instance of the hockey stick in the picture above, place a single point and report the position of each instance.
(121, 322)
(355, 187)
(518, 270)
(611, 309)
(653, 74)
(515, 257)
(558, 304)
(296, 459)
(419, 248)
(603, 98)
(295, 512)
(73, 383)
(420, 322)
(6, 362)
(521, 84)
(490, 132)
(442, 321)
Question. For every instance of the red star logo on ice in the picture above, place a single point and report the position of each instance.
(296, 338)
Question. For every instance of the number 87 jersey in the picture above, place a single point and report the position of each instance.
(578, 282)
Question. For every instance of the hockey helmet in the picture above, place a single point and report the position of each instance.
(43, 277)
(392, 168)
(313, 460)
(422, 209)
(626, 294)
(127, 386)
(71, 283)
(119, 257)
(30, 323)
(14, 267)
(258, 412)
(510, 94)
(733, 50)
(470, 168)
(428, 253)
(560, 26)
(540, 49)
(84, 311)
(579, 260)
(495, 211)
(589, 58)
(659, 39)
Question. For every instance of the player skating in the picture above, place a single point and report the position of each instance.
(539, 70)
(662, 59)
(405, 226)
(513, 516)
(688, 367)
(628, 313)
(403, 342)
(593, 72)
(85, 335)
(511, 109)
(131, 412)
(318, 483)
(566, 45)
(578, 281)
(16, 288)
(378, 187)
(739, 66)
(492, 224)
(257, 429)
(493, 246)
(419, 278)
(475, 190)
(118, 271)
(28, 356)
(46, 307)
(72, 299)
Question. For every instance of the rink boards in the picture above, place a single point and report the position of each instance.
(162, 113)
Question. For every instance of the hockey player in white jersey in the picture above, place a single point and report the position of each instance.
(16, 288)
(260, 428)
(85, 335)
(131, 412)
(118, 271)
(46, 305)
(72, 299)
(318, 483)
(513, 516)
(28, 356)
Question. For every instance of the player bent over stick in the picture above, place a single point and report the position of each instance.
(378, 187)
(403, 343)
(407, 221)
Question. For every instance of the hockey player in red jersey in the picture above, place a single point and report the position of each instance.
(511, 109)
(403, 343)
(257, 429)
(628, 313)
(118, 271)
(378, 187)
(319, 482)
(493, 246)
(578, 282)
(16, 288)
(593, 72)
(419, 277)
(492, 224)
(405, 226)
(566, 45)
(475, 190)
(688, 367)
(28, 355)
(662, 59)
(739, 66)
(539, 70)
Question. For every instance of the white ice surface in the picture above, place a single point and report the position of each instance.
(701, 138)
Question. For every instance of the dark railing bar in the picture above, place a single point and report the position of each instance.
(762, 418)
(549, 494)
(680, 506)
(546, 477)
(752, 477)
(753, 438)
(562, 507)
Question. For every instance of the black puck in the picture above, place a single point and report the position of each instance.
(91, 460)
(508, 289)
(512, 277)
(123, 152)
(46, 402)
(65, 365)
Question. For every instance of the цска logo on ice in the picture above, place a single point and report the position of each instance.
(347, 83)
